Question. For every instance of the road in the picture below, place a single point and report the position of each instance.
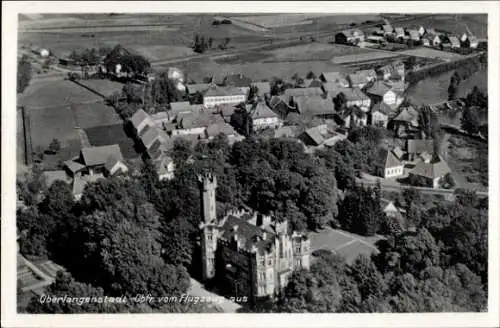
(399, 188)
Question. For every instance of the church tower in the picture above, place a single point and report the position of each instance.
(208, 225)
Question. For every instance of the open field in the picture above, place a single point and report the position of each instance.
(52, 122)
(96, 114)
(343, 243)
(56, 94)
(112, 134)
(455, 24)
(468, 160)
(159, 52)
(197, 70)
(104, 87)
(479, 79)
(369, 55)
(431, 53)
(315, 51)
(430, 90)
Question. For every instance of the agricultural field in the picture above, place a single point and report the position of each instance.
(112, 134)
(96, 114)
(56, 94)
(199, 69)
(102, 86)
(369, 55)
(455, 24)
(315, 51)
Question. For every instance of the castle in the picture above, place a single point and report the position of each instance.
(247, 253)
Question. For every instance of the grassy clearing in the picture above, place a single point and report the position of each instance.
(314, 51)
(104, 87)
(431, 53)
(96, 114)
(364, 56)
(112, 134)
(431, 90)
(55, 94)
(468, 160)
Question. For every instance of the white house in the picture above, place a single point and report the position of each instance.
(380, 114)
(455, 43)
(140, 120)
(356, 97)
(263, 117)
(114, 165)
(381, 91)
(421, 30)
(392, 166)
(223, 95)
(165, 167)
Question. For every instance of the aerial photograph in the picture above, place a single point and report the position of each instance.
(252, 163)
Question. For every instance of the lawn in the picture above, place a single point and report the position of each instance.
(57, 94)
(112, 134)
(104, 87)
(343, 243)
(314, 51)
(431, 53)
(96, 114)
(430, 90)
(368, 55)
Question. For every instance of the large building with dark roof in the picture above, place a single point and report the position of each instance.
(247, 253)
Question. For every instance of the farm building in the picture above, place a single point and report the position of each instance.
(165, 167)
(399, 33)
(216, 95)
(353, 36)
(305, 92)
(314, 106)
(360, 78)
(414, 35)
(454, 42)
(334, 77)
(388, 29)
(281, 106)
(356, 97)
(102, 159)
(263, 88)
(381, 91)
(433, 172)
(416, 147)
(406, 122)
(320, 136)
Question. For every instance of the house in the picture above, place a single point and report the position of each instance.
(263, 88)
(165, 167)
(353, 36)
(321, 136)
(433, 172)
(392, 211)
(331, 89)
(427, 40)
(356, 97)
(180, 106)
(115, 166)
(314, 106)
(150, 135)
(360, 78)
(140, 120)
(215, 129)
(73, 167)
(281, 106)
(473, 42)
(415, 147)
(405, 122)
(286, 132)
(414, 35)
(200, 87)
(421, 30)
(438, 40)
(464, 37)
(380, 91)
(399, 33)
(263, 117)
(216, 95)
(390, 165)
(303, 92)
(312, 83)
(334, 77)
(95, 158)
(254, 253)
(454, 41)
(238, 81)
(388, 29)
(393, 71)
(161, 119)
(380, 114)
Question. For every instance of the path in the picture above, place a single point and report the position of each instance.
(227, 306)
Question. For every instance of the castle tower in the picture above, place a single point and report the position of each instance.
(208, 225)
(301, 251)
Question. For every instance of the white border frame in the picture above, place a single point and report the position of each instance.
(10, 11)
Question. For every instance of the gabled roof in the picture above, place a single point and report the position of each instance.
(398, 152)
(433, 170)
(382, 107)
(414, 34)
(237, 80)
(333, 76)
(418, 146)
(262, 111)
(73, 166)
(150, 136)
(248, 234)
(139, 117)
(314, 105)
(378, 88)
(454, 40)
(407, 114)
(285, 131)
(162, 163)
(354, 94)
(387, 28)
(111, 162)
(180, 106)
(99, 155)
(223, 91)
(200, 87)
(362, 76)
(332, 88)
(399, 30)
(388, 158)
(303, 92)
(315, 135)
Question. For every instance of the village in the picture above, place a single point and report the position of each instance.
(142, 116)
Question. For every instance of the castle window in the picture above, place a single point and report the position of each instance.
(297, 249)
(269, 261)
(262, 261)
(209, 237)
(212, 261)
(262, 276)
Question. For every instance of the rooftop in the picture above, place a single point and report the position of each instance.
(99, 155)
(314, 105)
(435, 169)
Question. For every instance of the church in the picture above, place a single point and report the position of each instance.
(247, 253)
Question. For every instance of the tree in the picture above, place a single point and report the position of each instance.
(177, 245)
(31, 186)
(210, 42)
(428, 122)
(24, 72)
(368, 279)
(470, 120)
(35, 228)
(55, 146)
(310, 75)
(340, 102)
(447, 181)
(476, 98)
